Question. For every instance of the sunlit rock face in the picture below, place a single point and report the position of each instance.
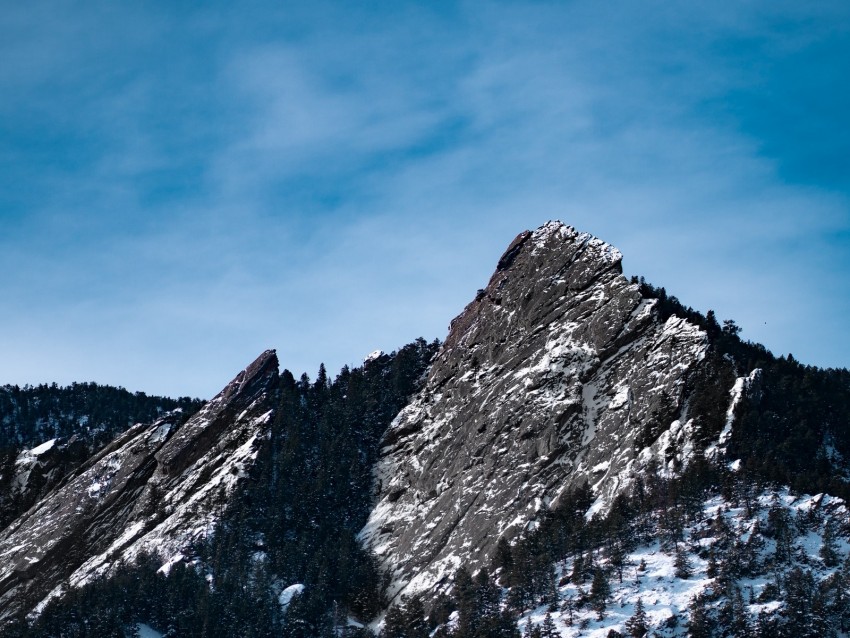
(545, 382)
(156, 488)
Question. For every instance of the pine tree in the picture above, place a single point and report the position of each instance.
(531, 631)
(569, 609)
(829, 547)
(466, 601)
(779, 527)
(637, 625)
(841, 599)
(503, 558)
(415, 623)
(699, 624)
(600, 590)
(502, 626)
(577, 575)
(441, 608)
(750, 553)
(487, 595)
(766, 625)
(682, 563)
(740, 621)
(712, 569)
(617, 557)
(548, 628)
(799, 595)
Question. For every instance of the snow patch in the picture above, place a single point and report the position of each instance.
(170, 563)
(375, 354)
(649, 572)
(288, 594)
(736, 393)
(146, 631)
(44, 447)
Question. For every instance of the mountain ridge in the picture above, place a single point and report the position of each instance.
(132, 495)
(573, 426)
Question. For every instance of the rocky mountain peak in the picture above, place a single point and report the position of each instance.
(155, 489)
(553, 255)
(190, 441)
(544, 383)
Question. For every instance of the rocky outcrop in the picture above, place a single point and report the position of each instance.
(546, 381)
(34, 468)
(156, 488)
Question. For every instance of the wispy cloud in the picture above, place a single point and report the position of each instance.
(183, 188)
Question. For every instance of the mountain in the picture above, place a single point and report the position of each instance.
(546, 381)
(584, 455)
(155, 488)
(47, 431)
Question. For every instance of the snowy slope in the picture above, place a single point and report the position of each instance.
(155, 489)
(742, 540)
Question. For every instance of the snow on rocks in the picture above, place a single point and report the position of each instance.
(155, 489)
(146, 631)
(28, 461)
(557, 364)
(38, 450)
(742, 384)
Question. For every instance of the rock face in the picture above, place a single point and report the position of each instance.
(545, 382)
(156, 488)
(35, 467)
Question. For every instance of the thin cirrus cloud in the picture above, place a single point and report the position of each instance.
(183, 187)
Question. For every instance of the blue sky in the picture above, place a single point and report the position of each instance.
(183, 186)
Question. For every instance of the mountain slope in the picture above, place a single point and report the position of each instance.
(758, 563)
(48, 431)
(155, 488)
(290, 527)
(546, 381)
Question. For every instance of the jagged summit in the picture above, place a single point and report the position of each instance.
(544, 382)
(155, 488)
(187, 443)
